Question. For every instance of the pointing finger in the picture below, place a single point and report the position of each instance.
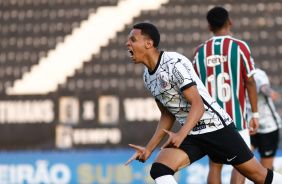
(132, 158)
(167, 143)
(136, 147)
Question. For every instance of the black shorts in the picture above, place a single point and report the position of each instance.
(224, 146)
(266, 143)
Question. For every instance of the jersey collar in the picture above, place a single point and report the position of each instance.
(158, 63)
(226, 36)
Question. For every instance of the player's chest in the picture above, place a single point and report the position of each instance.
(160, 84)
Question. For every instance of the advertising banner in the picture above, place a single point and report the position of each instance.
(80, 121)
(95, 167)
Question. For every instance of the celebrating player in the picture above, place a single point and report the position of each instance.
(206, 128)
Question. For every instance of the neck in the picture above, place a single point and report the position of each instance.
(223, 32)
(152, 60)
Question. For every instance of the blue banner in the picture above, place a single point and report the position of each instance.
(93, 167)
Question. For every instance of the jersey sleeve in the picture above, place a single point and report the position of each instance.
(247, 58)
(181, 75)
(261, 79)
(196, 66)
(195, 58)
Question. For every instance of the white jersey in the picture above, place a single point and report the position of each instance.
(173, 74)
(269, 119)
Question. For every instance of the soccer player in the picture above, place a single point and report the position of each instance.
(206, 128)
(267, 137)
(225, 66)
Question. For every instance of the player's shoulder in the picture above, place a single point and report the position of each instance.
(172, 60)
(172, 54)
(172, 57)
(146, 72)
(261, 77)
(240, 42)
(260, 72)
(201, 45)
(198, 48)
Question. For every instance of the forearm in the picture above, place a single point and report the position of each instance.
(194, 116)
(164, 123)
(267, 91)
(252, 93)
(196, 111)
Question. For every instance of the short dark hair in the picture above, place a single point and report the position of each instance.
(150, 31)
(217, 17)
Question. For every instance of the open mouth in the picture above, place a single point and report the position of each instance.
(131, 53)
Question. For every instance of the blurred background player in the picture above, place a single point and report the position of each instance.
(225, 66)
(267, 137)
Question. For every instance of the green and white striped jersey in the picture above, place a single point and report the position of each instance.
(222, 63)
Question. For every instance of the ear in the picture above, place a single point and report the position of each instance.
(229, 22)
(149, 43)
(210, 28)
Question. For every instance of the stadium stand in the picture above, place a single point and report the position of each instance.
(184, 31)
(31, 28)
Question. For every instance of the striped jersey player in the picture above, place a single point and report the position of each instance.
(173, 74)
(223, 63)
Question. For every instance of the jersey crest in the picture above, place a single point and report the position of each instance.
(162, 82)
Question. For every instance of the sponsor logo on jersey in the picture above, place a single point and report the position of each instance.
(178, 75)
(162, 82)
(215, 60)
(200, 125)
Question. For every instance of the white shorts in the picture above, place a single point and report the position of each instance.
(246, 136)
